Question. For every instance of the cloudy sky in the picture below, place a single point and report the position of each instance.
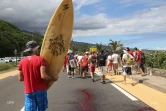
(137, 23)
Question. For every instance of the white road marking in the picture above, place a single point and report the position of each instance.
(22, 109)
(123, 91)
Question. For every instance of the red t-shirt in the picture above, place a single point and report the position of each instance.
(85, 61)
(131, 53)
(139, 56)
(67, 60)
(110, 64)
(30, 67)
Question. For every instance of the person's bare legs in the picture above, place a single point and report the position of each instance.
(132, 80)
(124, 79)
(73, 74)
(92, 75)
(116, 71)
(114, 68)
(101, 78)
(84, 74)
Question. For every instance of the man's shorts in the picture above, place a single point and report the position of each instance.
(36, 101)
(84, 68)
(71, 69)
(115, 66)
(127, 70)
(92, 67)
(110, 68)
(101, 70)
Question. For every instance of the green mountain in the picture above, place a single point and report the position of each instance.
(11, 38)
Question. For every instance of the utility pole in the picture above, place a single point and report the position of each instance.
(15, 52)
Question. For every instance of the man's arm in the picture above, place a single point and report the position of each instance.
(123, 60)
(45, 76)
(20, 76)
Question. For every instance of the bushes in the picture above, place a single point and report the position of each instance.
(6, 66)
(156, 59)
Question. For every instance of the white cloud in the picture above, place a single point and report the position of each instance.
(160, 48)
(145, 21)
(33, 14)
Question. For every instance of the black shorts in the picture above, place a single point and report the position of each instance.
(128, 70)
(71, 69)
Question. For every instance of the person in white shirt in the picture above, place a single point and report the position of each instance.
(127, 68)
(79, 58)
(115, 58)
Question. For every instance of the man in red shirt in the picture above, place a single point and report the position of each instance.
(141, 62)
(85, 64)
(129, 51)
(33, 72)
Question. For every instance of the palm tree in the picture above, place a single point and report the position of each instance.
(115, 45)
(99, 47)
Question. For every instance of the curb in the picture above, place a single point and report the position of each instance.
(150, 85)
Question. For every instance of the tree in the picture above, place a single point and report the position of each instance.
(99, 47)
(115, 45)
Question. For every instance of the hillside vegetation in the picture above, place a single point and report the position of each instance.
(11, 38)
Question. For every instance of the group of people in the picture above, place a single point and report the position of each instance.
(32, 70)
(85, 63)
(135, 60)
(105, 63)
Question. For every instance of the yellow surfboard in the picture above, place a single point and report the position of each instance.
(57, 38)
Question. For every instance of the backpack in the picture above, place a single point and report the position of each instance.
(129, 60)
(72, 62)
(142, 58)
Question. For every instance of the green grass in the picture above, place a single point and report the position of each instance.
(7, 66)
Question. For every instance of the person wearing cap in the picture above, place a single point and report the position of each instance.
(139, 62)
(126, 67)
(129, 51)
(142, 62)
(32, 72)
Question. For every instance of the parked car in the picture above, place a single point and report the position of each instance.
(2, 60)
(14, 60)
(8, 60)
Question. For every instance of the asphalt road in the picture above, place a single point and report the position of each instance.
(71, 95)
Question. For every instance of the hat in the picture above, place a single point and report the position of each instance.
(140, 49)
(70, 51)
(87, 52)
(128, 49)
(135, 48)
(125, 51)
(31, 46)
